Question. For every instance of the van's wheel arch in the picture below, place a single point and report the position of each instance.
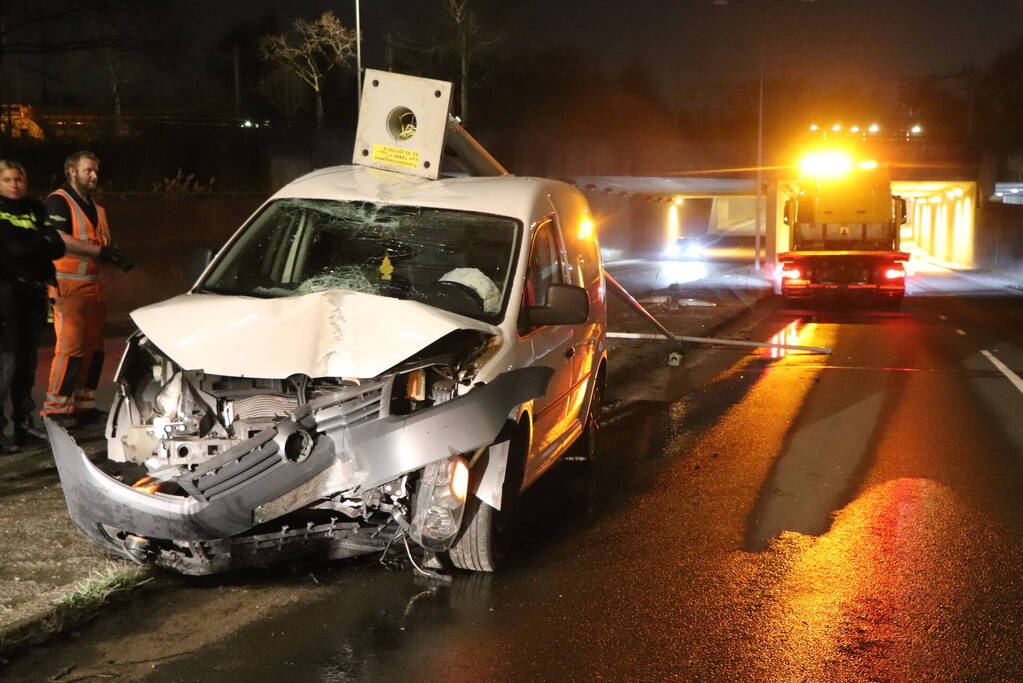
(488, 536)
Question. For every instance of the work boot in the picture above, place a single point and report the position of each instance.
(65, 420)
(7, 445)
(29, 430)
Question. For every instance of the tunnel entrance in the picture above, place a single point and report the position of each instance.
(940, 219)
(648, 214)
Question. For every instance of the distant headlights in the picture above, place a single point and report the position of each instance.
(684, 249)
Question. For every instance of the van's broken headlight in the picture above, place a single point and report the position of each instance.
(168, 401)
(440, 503)
(176, 401)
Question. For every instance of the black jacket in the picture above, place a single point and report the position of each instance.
(28, 243)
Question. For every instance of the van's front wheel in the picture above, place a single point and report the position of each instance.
(488, 536)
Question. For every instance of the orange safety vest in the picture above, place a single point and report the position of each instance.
(71, 267)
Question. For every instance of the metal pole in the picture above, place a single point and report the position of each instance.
(470, 154)
(760, 158)
(358, 57)
(630, 301)
(713, 341)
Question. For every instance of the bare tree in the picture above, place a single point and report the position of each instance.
(311, 50)
(282, 89)
(470, 42)
(458, 41)
(122, 58)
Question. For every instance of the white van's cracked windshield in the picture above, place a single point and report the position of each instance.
(455, 260)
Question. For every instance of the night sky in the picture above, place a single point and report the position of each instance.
(692, 41)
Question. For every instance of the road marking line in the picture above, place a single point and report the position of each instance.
(1016, 380)
(960, 332)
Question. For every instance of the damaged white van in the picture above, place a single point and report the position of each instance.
(373, 359)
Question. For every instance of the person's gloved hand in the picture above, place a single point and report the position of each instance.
(116, 256)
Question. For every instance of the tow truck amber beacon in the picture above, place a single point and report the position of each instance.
(380, 356)
(844, 230)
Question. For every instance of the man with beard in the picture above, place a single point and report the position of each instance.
(79, 312)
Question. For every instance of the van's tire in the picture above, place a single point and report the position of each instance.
(488, 536)
(589, 441)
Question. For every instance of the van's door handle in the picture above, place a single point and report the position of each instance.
(569, 352)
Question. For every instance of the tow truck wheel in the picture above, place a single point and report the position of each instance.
(488, 535)
(893, 303)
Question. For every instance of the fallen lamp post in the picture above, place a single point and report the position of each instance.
(663, 333)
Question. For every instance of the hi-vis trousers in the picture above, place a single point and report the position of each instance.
(79, 317)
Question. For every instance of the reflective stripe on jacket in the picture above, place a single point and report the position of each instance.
(75, 267)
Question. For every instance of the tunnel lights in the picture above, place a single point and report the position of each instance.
(868, 165)
(837, 127)
(854, 129)
(916, 130)
(874, 128)
(678, 201)
(827, 164)
(814, 126)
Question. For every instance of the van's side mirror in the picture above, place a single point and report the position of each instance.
(566, 305)
(195, 261)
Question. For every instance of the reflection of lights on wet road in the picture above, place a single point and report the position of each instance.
(846, 594)
(796, 332)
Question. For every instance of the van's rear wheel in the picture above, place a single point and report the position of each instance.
(488, 536)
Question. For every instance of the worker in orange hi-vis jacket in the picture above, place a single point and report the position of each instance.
(79, 311)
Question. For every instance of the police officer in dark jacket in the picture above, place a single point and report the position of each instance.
(28, 245)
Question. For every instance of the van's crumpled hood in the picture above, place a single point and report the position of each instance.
(334, 333)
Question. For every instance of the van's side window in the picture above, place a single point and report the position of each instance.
(544, 266)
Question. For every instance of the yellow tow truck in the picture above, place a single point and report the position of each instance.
(844, 226)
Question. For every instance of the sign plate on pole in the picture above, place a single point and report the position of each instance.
(402, 123)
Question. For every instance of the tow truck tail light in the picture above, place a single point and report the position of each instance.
(895, 273)
(791, 274)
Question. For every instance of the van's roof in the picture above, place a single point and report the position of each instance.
(520, 197)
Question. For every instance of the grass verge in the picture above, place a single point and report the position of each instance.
(53, 615)
(94, 590)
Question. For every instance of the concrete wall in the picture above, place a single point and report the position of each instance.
(161, 232)
(998, 243)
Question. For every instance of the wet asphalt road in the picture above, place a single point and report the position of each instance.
(803, 517)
